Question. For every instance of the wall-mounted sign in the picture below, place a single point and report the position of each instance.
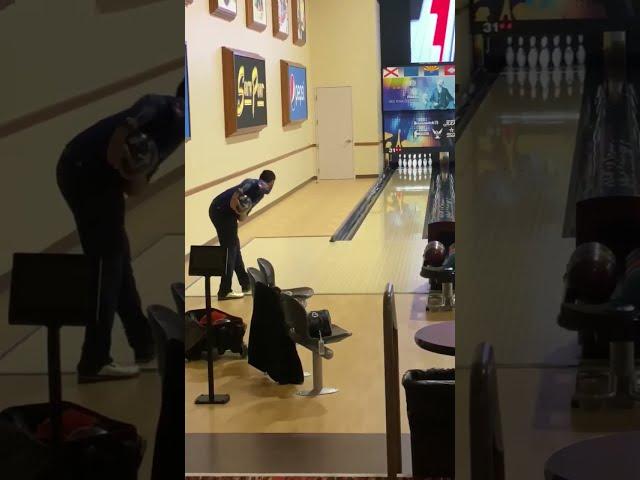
(280, 18)
(299, 15)
(227, 9)
(293, 81)
(419, 87)
(245, 92)
(256, 14)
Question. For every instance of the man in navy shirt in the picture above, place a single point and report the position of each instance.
(225, 212)
(116, 156)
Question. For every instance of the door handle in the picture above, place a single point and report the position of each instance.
(348, 140)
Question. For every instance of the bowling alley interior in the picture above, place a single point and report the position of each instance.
(342, 234)
(322, 206)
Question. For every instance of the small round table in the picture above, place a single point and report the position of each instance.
(612, 456)
(438, 338)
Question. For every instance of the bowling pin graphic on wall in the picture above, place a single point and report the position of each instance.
(545, 56)
(581, 54)
(568, 52)
(533, 53)
(556, 56)
(521, 58)
(510, 54)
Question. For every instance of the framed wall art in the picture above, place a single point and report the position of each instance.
(245, 92)
(293, 85)
(256, 14)
(299, 17)
(280, 18)
(227, 9)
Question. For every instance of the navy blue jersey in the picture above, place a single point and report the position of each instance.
(157, 119)
(249, 187)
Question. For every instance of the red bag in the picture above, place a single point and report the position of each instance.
(72, 420)
(217, 318)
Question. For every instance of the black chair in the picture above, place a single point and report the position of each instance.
(295, 316)
(166, 325)
(178, 293)
(270, 275)
(487, 451)
(255, 276)
(431, 402)
(271, 350)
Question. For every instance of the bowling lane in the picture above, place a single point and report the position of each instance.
(387, 248)
(512, 178)
(398, 214)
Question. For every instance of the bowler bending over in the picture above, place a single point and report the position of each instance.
(226, 210)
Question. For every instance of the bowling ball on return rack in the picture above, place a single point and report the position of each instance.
(434, 254)
(591, 274)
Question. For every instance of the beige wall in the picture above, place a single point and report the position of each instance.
(346, 52)
(75, 35)
(209, 155)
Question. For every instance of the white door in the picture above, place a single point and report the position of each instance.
(335, 133)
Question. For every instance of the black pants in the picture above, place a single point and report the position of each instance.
(99, 215)
(227, 227)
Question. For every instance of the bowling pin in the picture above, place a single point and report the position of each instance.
(581, 54)
(510, 54)
(533, 53)
(520, 56)
(430, 162)
(545, 56)
(568, 52)
(556, 55)
(533, 82)
(414, 162)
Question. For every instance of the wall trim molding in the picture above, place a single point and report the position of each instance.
(82, 100)
(70, 240)
(257, 214)
(213, 183)
(218, 181)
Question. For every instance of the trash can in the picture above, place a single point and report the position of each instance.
(92, 446)
(431, 411)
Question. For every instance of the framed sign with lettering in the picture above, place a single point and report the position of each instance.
(245, 92)
(293, 84)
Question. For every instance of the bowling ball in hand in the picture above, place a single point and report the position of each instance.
(244, 204)
(141, 155)
(591, 273)
(434, 254)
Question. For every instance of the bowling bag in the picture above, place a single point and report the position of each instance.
(319, 323)
(94, 447)
(228, 333)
